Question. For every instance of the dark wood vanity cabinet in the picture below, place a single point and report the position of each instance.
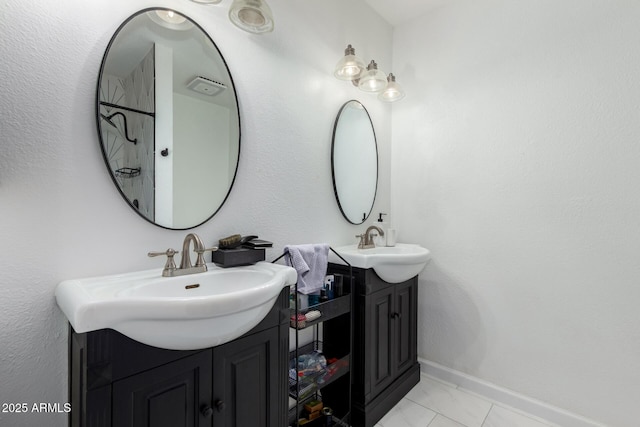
(385, 363)
(169, 395)
(390, 315)
(118, 382)
(248, 374)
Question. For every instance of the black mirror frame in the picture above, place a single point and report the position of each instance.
(131, 203)
(333, 175)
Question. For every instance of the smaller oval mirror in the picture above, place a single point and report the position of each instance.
(354, 162)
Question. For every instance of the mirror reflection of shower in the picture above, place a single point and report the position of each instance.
(125, 133)
(168, 89)
(127, 114)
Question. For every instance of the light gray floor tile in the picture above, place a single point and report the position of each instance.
(455, 404)
(502, 417)
(442, 421)
(407, 414)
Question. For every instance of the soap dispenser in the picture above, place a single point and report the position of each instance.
(384, 226)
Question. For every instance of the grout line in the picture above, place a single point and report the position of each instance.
(450, 419)
(487, 416)
(454, 387)
(502, 405)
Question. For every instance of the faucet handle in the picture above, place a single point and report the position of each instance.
(361, 243)
(170, 265)
(169, 253)
(200, 260)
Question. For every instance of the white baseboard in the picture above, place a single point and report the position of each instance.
(505, 396)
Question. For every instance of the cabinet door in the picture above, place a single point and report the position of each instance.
(380, 308)
(405, 325)
(247, 380)
(172, 395)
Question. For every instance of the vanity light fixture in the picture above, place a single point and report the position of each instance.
(253, 16)
(170, 19)
(393, 91)
(372, 80)
(350, 66)
(368, 79)
(170, 16)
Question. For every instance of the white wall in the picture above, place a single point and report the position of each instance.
(162, 182)
(515, 160)
(60, 215)
(201, 164)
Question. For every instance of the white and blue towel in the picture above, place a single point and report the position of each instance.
(310, 261)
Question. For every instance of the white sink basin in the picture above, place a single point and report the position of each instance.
(178, 313)
(393, 264)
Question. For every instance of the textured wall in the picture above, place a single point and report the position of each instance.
(519, 136)
(60, 215)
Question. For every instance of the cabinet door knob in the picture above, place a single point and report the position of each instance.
(206, 411)
(220, 405)
(396, 315)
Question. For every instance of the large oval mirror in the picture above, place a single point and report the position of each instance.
(354, 162)
(168, 119)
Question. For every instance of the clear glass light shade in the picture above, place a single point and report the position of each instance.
(393, 92)
(372, 80)
(350, 66)
(170, 19)
(253, 16)
(170, 16)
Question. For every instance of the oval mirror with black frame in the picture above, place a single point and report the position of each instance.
(354, 162)
(168, 119)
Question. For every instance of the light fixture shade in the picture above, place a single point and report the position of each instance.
(372, 80)
(393, 92)
(170, 19)
(253, 16)
(206, 1)
(350, 66)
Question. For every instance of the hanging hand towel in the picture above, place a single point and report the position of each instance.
(310, 261)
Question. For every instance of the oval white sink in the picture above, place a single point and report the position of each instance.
(393, 264)
(178, 313)
(223, 283)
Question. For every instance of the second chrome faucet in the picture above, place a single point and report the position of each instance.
(186, 267)
(366, 239)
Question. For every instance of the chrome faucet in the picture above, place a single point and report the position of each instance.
(186, 267)
(366, 239)
(198, 247)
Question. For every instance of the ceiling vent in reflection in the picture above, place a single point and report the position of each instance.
(206, 86)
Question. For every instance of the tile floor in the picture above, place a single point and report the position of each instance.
(432, 403)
